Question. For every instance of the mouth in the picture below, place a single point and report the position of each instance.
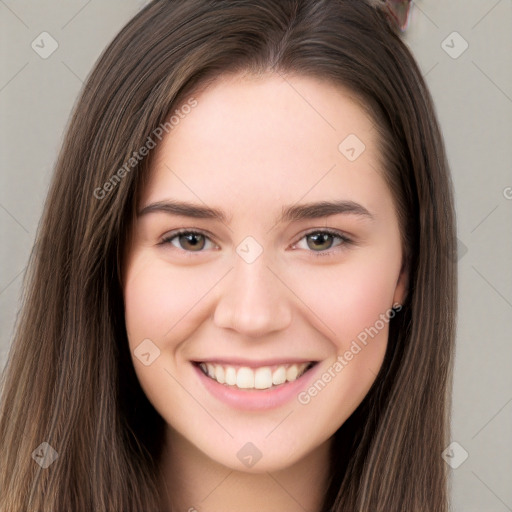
(254, 378)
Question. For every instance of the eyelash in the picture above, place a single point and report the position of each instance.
(329, 252)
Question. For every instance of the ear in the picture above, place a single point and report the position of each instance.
(402, 285)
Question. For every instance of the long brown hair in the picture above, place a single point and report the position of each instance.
(69, 381)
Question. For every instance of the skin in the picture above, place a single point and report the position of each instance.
(249, 147)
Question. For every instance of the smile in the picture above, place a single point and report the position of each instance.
(264, 377)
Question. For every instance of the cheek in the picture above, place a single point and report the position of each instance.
(157, 299)
(347, 299)
(351, 307)
(159, 303)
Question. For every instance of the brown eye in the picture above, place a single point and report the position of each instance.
(190, 241)
(320, 240)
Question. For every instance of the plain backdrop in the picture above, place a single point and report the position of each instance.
(472, 90)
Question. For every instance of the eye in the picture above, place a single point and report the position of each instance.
(321, 241)
(187, 240)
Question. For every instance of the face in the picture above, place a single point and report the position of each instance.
(286, 307)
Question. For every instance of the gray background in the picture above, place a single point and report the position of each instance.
(473, 96)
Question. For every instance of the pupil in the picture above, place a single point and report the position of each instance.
(190, 239)
(320, 238)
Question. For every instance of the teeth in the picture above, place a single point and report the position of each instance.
(262, 378)
(259, 378)
(279, 376)
(230, 376)
(220, 374)
(211, 370)
(245, 378)
(292, 372)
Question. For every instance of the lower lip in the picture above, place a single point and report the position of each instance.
(256, 399)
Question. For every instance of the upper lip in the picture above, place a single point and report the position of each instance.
(253, 364)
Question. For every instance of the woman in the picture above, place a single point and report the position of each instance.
(148, 375)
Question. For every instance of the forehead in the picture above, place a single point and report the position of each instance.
(268, 138)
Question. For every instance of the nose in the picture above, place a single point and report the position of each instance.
(253, 300)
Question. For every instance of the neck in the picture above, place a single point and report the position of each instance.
(193, 482)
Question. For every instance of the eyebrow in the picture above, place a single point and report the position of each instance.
(289, 213)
